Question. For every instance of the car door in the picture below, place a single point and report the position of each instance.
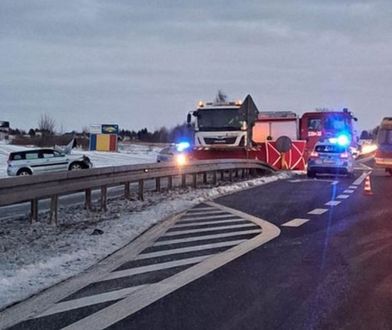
(33, 161)
(53, 161)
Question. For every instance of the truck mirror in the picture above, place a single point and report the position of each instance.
(188, 118)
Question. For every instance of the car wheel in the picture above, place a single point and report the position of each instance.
(24, 172)
(311, 174)
(75, 167)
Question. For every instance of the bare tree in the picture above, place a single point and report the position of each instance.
(221, 97)
(46, 124)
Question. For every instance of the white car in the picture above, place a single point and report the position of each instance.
(37, 161)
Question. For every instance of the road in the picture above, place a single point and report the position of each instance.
(293, 254)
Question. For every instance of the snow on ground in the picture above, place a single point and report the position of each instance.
(35, 257)
(129, 154)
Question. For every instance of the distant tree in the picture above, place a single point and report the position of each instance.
(220, 97)
(46, 124)
(32, 132)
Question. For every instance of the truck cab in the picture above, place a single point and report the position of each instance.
(383, 156)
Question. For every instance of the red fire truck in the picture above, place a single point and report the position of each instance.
(384, 145)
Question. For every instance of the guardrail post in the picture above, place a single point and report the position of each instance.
(222, 175)
(87, 199)
(54, 209)
(236, 173)
(183, 180)
(231, 175)
(127, 190)
(34, 211)
(204, 177)
(194, 180)
(214, 178)
(158, 184)
(141, 190)
(169, 182)
(104, 198)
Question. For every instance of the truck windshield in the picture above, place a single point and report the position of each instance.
(385, 136)
(219, 120)
(335, 123)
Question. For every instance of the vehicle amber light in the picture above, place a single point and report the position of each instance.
(181, 160)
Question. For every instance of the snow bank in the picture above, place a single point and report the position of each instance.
(36, 257)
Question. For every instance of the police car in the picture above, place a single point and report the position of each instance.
(331, 156)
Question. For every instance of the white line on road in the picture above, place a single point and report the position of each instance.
(318, 211)
(295, 222)
(154, 267)
(353, 187)
(196, 214)
(90, 300)
(333, 203)
(222, 216)
(188, 249)
(142, 298)
(200, 223)
(205, 237)
(348, 191)
(334, 183)
(202, 230)
(358, 181)
(343, 196)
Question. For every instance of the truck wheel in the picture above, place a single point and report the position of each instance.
(311, 174)
(390, 171)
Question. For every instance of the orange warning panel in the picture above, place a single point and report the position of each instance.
(103, 142)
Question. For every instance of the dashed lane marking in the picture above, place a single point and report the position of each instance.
(333, 203)
(348, 191)
(353, 187)
(295, 222)
(358, 181)
(318, 211)
(206, 237)
(342, 196)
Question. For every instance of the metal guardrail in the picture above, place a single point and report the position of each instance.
(33, 188)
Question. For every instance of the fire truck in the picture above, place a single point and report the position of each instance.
(239, 130)
(383, 156)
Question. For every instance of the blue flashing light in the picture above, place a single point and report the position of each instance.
(182, 146)
(343, 140)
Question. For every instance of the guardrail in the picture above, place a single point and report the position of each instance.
(33, 188)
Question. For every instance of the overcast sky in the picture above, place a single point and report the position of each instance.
(147, 63)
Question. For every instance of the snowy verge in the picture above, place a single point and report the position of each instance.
(35, 257)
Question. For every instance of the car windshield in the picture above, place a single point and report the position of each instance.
(335, 149)
(385, 136)
(336, 123)
(219, 119)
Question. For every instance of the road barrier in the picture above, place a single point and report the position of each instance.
(33, 188)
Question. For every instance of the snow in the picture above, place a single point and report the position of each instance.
(129, 154)
(35, 257)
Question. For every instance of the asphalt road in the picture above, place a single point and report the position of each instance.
(330, 267)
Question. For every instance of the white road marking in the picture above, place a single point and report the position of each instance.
(154, 267)
(348, 191)
(196, 214)
(333, 203)
(318, 211)
(198, 209)
(199, 223)
(353, 187)
(142, 298)
(205, 237)
(343, 196)
(295, 222)
(188, 249)
(334, 183)
(202, 230)
(358, 181)
(90, 300)
(222, 216)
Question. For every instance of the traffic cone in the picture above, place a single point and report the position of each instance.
(367, 190)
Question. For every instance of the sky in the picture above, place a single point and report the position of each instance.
(147, 63)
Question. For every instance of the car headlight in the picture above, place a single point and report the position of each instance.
(181, 159)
